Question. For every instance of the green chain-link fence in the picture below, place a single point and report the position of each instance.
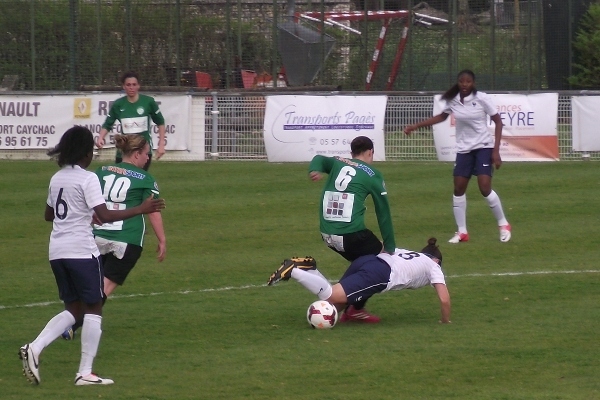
(70, 44)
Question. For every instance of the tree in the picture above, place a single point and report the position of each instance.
(587, 48)
(464, 21)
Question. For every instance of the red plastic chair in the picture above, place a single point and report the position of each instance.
(203, 80)
(248, 78)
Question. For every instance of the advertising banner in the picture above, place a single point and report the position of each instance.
(586, 121)
(38, 122)
(297, 128)
(530, 128)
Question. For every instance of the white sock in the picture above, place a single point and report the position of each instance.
(315, 272)
(315, 283)
(496, 207)
(459, 206)
(91, 331)
(53, 329)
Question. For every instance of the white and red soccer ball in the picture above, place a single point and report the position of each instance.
(322, 315)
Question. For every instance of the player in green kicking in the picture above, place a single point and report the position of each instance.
(342, 209)
(135, 111)
(124, 186)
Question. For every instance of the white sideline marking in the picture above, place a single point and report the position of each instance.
(223, 289)
(586, 271)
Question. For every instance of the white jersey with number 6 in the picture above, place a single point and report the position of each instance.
(73, 193)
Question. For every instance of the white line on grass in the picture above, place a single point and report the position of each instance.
(586, 271)
(124, 296)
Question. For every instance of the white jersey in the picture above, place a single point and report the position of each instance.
(73, 193)
(411, 270)
(471, 121)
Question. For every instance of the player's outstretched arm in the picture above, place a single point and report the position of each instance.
(444, 296)
(150, 205)
(436, 119)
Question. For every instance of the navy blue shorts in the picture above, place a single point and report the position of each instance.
(79, 279)
(366, 276)
(475, 162)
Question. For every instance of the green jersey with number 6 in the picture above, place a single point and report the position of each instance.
(342, 208)
(135, 117)
(125, 186)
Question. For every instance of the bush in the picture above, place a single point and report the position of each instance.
(587, 47)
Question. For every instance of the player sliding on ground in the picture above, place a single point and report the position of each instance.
(370, 274)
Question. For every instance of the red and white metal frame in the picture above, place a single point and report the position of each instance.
(334, 18)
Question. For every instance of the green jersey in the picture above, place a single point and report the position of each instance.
(342, 209)
(125, 186)
(135, 117)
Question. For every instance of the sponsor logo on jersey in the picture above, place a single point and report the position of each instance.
(354, 164)
(124, 171)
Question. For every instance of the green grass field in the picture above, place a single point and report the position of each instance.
(203, 325)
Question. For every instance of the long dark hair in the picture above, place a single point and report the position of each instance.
(432, 250)
(453, 91)
(74, 145)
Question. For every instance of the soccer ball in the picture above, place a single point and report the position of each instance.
(322, 315)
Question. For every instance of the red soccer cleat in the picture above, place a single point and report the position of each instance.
(352, 314)
(459, 237)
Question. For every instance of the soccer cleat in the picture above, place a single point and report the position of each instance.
(352, 314)
(69, 334)
(304, 263)
(31, 368)
(459, 237)
(91, 379)
(505, 233)
(284, 272)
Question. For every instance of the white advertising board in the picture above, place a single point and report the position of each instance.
(38, 122)
(297, 128)
(586, 120)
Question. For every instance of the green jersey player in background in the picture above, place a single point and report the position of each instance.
(342, 209)
(135, 111)
(125, 185)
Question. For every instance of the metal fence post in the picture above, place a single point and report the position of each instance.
(178, 39)
(274, 71)
(73, 16)
(493, 6)
(32, 36)
(99, 40)
(128, 34)
(214, 154)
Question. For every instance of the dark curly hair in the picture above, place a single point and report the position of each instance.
(74, 145)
